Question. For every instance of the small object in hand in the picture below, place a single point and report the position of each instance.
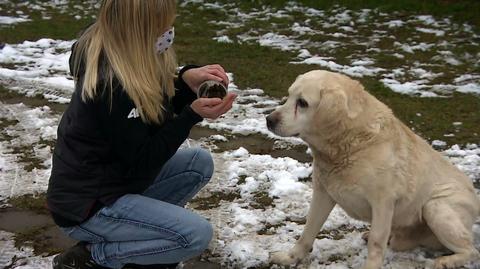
(212, 89)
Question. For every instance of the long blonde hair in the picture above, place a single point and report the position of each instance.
(125, 33)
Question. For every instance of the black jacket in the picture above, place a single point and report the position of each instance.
(104, 150)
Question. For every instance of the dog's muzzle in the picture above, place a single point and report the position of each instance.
(272, 122)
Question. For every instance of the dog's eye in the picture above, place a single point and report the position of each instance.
(302, 103)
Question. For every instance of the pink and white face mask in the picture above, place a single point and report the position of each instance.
(165, 41)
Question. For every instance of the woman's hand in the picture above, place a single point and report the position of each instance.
(213, 108)
(196, 76)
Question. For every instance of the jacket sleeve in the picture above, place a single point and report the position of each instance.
(183, 94)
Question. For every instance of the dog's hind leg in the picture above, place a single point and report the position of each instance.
(320, 207)
(406, 238)
(453, 228)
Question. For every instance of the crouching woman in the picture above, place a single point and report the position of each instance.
(119, 180)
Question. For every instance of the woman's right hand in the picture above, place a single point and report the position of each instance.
(212, 108)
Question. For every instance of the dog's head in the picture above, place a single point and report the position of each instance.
(318, 101)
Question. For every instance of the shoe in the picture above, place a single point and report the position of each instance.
(151, 266)
(76, 257)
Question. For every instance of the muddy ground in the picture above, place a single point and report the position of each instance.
(29, 220)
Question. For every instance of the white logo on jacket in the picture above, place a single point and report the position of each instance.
(133, 114)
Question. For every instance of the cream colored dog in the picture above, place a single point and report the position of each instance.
(377, 170)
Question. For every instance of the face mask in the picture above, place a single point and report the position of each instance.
(165, 41)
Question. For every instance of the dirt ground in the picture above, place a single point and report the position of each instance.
(32, 225)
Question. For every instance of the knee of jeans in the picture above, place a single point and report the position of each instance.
(201, 237)
(203, 163)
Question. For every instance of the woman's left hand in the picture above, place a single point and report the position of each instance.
(196, 76)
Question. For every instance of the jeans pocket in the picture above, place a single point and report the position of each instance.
(79, 233)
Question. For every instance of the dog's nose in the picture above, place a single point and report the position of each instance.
(271, 122)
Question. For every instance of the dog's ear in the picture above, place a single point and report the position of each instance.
(339, 101)
(332, 101)
(354, 98)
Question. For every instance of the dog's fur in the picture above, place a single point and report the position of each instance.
(377, 170)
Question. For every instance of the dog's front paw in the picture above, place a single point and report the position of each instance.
(369, 264)
(283, 258)
(370, 267)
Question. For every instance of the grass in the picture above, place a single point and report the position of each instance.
(252, 65)
(432, 118)
(26, 156)
(25, 153)
(214, 200)
(60, 26)
(11, 97)
(460, 10)
(34, 203)
(270, 69)
(339, 232)
(269, 228)
(262, 200)
(36, 238)
(4, 124)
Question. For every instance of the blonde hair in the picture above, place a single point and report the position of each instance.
(125, 33)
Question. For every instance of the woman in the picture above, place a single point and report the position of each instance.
(118, 183)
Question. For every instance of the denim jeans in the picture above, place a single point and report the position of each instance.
(153, 228)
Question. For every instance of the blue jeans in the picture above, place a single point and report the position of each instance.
(153, 228)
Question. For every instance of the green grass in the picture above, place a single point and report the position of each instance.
(262, 200)
(460, 10)
(437, 114)
(25, 153)
(60, 26)
(253, 66)
(11, 97)
(35, 203)
(36, 238)
(214, 200)
(270, 69)
(26, 156)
